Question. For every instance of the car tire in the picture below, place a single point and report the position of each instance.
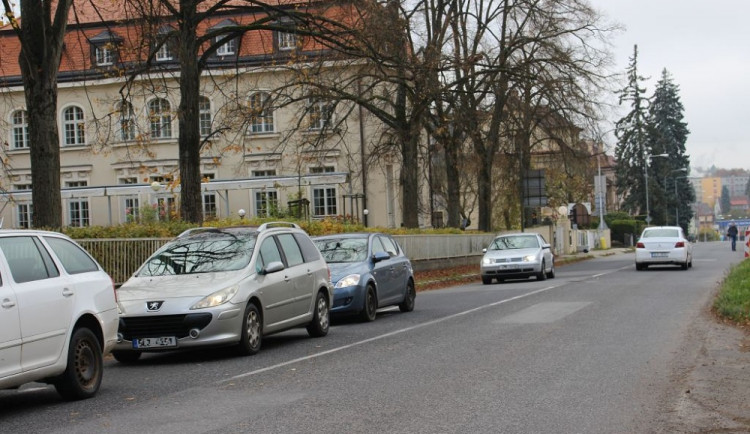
(409, 298)
(486, 280)
(542, 275)
(126, 356)
(321, 320)
(370, 306)
(638, 266)
(551, 273)
(251, 336)
(85, 367)
(684, 265)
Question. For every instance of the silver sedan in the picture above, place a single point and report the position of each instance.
(519, 255)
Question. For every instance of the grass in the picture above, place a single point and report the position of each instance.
(733, 301)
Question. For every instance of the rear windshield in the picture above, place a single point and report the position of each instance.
(202, 253)
(343, 249)
(514, 242)
(657, 233)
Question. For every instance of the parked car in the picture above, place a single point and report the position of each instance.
(663, 245)
(228, 286)
(520, 255)
(369, 271)
(58, 314)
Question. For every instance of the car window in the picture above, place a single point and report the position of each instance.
(201, 253)
(269, 252)
(389, 246)
(343, 249)
(73, 258)
(654, 233)
(309, 251)
(28, 260)
(514, 242)
(292, 252)
(377, 246)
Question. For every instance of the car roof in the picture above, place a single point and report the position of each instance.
(347, 235)
(15, 232)
(270, 226)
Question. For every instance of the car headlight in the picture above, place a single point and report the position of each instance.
(529, 258)
(217, 298)
(350, 280)
(486, 261)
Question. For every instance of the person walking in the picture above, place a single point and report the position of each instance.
(732, 233)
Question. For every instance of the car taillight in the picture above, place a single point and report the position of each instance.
(640, 246)
(680, 244)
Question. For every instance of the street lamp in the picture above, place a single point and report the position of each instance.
(645, 170)
(666, 190)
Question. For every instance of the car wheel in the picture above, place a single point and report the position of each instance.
(85, 367)
(551, 273)
(690, 264)
(638, 266)
(318, 327)
(251, 335)
(370, 308)
(542, 275)
(486, 280)
(126, 356)
(684, 265)
(409, 298)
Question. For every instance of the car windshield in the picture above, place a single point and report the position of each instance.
(514, 242)
(661, 233)
(343, 249)
(202, 253)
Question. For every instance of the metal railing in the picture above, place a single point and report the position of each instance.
(121, 257)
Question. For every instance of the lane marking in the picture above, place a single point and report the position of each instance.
(385, 335)
(544, 313)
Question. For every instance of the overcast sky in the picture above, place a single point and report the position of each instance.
(706, 48)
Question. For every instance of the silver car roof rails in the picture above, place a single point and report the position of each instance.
(196, 230)
(269, 225)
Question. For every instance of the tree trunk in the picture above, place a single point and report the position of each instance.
(410, 180)
(191, 206)
(453, 185)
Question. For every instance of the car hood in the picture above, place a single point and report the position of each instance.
(511, 254)
(186, 285)
(342, 269)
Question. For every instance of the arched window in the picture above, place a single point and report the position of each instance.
(261, 113)
(204, 116)
(20, 121)
(160, 116)
(73, 125)
(126, 122)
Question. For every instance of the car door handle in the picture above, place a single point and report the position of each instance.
(8, 303)
(286, 278)
(67, 292)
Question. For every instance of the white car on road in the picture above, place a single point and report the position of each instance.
(663, 245)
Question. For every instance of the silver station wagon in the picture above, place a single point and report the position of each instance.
(228, 286)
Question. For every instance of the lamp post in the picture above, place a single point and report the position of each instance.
(666, 190)
(677, 199)
(645, 170)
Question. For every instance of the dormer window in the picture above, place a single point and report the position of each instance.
(104, 48)
(104, 56)
(163, 44)
(223, 30)
(227, 49)
(164, 53)
(286, 41)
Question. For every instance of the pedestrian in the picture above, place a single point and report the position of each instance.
(732, 233)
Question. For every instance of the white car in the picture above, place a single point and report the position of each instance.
(663, 245)
(520, 255)
(58, 314)
(224, 287)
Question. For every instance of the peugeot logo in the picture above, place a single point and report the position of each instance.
(154, 306)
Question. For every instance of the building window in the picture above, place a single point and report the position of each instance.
(164, 53)
(209, 205)
(204, 116)
(20, 129)
(228, 48)
(318, 114)
(21, 186)
(322, 169)
(132, 209)
(73, 126)
(78, 212)
(128, 180)
(24, 212)
(263, 173)
(160, 116)
(286, 41)
(266, 203)
(324, 201)
(261, 113)
(76, 184)
(104, 54)
(127, 122)
(166, 207)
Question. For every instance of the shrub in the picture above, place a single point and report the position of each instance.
(621, 228)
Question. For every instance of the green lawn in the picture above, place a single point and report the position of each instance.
(733, 301)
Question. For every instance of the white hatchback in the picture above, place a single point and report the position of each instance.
(663, 245)
(58, 313)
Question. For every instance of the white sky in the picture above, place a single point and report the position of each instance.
(705, 45)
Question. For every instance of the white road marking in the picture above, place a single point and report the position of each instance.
(543, 313)
(385, 335)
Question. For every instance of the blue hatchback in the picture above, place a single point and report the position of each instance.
(368, 271)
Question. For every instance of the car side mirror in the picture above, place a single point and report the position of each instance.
(484, 250)
(273, 267)
(380, 256)
(546, 246)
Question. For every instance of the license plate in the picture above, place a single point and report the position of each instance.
(659, 254)
(162, 342)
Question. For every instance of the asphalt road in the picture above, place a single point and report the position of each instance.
(590, 351)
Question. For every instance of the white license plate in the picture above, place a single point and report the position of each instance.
(659, 254)
(162, 342)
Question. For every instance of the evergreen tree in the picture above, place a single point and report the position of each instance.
(725, 202)
(667, 133)
(630, 151)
